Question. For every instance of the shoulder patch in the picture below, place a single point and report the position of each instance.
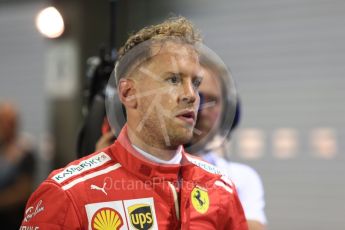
(85, 165)
(205, 165)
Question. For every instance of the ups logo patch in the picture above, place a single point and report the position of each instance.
(140, 216)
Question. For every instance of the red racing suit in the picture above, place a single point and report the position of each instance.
(117, 189)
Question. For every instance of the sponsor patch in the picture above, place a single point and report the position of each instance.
(106, 219)
(141, 214)
(95, 187)
(137, 214)
(83, 166)
(200, 199)
(97, 212)
(206, 166)
(32, 211)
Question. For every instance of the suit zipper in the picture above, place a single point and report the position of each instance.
(176, 200)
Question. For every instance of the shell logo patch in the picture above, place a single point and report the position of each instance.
(106, 219)
(200, 200)
(141, 216)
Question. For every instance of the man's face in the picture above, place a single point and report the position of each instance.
(209, 114)
(167, 95)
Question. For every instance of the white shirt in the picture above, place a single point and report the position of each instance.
(175, 160)
(248, 184)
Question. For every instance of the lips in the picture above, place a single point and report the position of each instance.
(187, 116)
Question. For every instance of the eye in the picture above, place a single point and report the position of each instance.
(212, 99)
(174, 79)
(197, 82)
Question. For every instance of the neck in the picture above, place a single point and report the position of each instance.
(159, 151)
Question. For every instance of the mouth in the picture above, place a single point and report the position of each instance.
(187, 116)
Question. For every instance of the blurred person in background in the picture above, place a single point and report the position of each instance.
(247, 180)
(17, 166)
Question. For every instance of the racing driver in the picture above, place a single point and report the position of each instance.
(145, 180)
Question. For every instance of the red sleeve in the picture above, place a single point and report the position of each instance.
(49, 207)
(234, 218)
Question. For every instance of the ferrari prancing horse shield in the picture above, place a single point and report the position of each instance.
(200, 200)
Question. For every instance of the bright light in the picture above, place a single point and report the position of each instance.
(251, 143)
(49, 23)
(324, 142)
(285, 143)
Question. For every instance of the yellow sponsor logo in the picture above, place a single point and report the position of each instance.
(200, 199)
(141, 216)
(106, 219)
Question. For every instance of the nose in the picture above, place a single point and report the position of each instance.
(189, 94)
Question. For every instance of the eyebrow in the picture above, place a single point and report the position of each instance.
(182, 74)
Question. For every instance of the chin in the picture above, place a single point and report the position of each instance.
(181, 138)
(186, 137)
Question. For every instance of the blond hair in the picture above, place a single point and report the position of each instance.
(177, 29)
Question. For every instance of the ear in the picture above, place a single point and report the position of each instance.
(127, 93)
